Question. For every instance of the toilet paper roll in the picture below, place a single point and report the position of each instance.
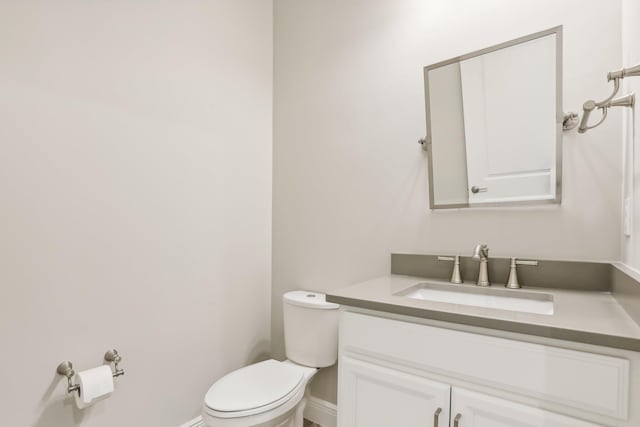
(95, 384)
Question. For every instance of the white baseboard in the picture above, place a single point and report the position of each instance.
(196, 422)
(321, 412)
(317, 410)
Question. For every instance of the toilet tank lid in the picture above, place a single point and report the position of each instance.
(309, 299)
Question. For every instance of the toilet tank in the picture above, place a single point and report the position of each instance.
(310, 329)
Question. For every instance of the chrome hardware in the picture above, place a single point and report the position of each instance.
(625, 72)
(66, 370)
(456, 277)
(570, 121)
(624, 101)
(436, 415)
(456, 420)
(475, 189)
(113, 356)
(481, 252)
(425, 143)
(513, 283)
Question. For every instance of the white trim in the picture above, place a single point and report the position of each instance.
(321, 412)
(317, 410)
(196, 422)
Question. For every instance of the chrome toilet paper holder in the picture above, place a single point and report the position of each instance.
(66, 370)
(112, 356)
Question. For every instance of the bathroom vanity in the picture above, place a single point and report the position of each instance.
(407, 361)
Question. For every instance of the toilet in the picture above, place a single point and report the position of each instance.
(272, 393)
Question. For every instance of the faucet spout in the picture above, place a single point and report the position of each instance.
(481, 252)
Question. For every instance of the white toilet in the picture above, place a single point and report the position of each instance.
(272, 393)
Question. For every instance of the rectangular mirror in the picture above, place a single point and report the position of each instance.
(494, 124)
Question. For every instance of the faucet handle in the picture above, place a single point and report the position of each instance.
(512, 282)
(456, 277)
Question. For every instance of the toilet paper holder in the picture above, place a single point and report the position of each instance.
(112, 356)
(66, 370)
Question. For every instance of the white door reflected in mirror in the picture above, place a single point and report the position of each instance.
(493, 128)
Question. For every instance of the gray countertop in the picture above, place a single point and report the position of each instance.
(582, 316)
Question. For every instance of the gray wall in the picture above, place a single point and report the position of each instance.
(135, 193)
(631, 122)
(350, 180)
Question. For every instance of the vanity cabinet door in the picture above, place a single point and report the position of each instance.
(375, 396)
(478, 410)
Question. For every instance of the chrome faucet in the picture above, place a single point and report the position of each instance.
(481, 252)
(456, 277)
(513, 283)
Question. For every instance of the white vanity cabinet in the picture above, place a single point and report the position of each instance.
(472, 409)
(395, 372)
(376, 396)
(373, 395)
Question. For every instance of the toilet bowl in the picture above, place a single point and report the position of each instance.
(272, 393)
(265, 394)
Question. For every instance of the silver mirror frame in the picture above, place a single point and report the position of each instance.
(559, 119)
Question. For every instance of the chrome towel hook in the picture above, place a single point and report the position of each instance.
(624, 101)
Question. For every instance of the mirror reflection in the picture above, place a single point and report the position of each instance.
(494, 124)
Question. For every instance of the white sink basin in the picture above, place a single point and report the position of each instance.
(502, 299)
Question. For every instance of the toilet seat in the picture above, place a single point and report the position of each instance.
(256, 389)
